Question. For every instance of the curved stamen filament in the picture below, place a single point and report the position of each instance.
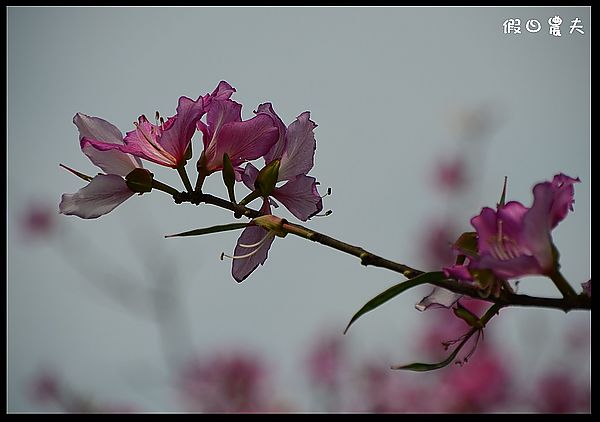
(502, 246)
(156, 146)
(260, 242)
(258, 245)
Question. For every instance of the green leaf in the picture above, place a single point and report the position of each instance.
(76, 173)
(503, 196)
(209, 230)
(423, 367)
(393, 291)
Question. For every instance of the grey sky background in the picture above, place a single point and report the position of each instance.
(383, 84)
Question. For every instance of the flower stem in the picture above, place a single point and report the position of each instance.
(562, 284)
(163, 187)
(184, 177)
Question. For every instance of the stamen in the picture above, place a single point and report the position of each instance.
(327, 194)
(325, 214)
(499, 251)
(157, 147)
(259, 245)
(260, 242)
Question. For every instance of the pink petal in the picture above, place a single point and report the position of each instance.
(536, 226)
(243, 141)
(300, 196)
(176, 138)
(511, 268)
(511, 215)
(112, 161)
(242, 268)
(438, 298)
(223, 91)
(249, 176)
(279, 147)
(298, 157)
(564, 193)
(218, 114)
(103, 194)
(486, 226)
(458, 272)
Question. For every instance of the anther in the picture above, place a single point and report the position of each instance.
(327, 194)
(325, 214)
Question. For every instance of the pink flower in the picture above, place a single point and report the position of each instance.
(252, 248)
(437, 243)
(38, 220)
(164, 143)
(560, 393)
(325, 360)
(105, 191)
(226, 383)
(226, 133)
(45, 387)
(514, 240)
(450, 174)
(295, 150)
(478, 386)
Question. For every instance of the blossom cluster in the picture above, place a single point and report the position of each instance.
(510, 242)
(229, 144)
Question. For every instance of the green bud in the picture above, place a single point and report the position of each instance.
(139, 180)
(229, 176)
(467, 245)
(267, 178)
(271, 223)
(202, 172)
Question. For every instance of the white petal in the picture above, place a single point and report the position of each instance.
(112, 162)
(102, 195)
(438, 298)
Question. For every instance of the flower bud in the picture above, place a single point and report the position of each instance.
(229, 176)
(267, 178)
(466, 244)
(139, 180)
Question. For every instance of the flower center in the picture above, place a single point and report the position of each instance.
(503, 247)
(155, 132)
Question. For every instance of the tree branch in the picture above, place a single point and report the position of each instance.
(506, 298)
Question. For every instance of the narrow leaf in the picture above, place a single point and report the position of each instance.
(76, 173)
(503, 196)
(395, 291)
(423, 367)
(209, 230)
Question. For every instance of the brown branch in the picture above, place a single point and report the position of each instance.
(506, 298)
